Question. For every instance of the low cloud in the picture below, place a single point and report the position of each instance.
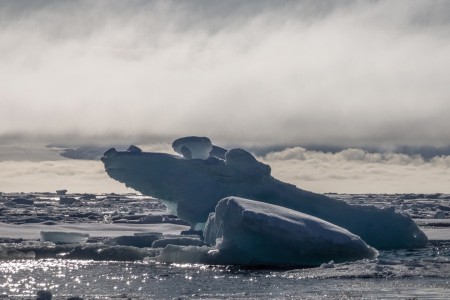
(49, 176)
(357, 171)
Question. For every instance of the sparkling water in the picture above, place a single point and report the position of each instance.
(405, 274)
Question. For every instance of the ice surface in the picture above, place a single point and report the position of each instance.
(192, 147)
(193, 187)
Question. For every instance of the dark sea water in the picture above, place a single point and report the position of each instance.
(396, 274)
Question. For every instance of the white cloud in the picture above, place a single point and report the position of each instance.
(359, 73)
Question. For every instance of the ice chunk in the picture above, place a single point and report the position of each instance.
(134, 149)
(193, 147)
(22, 201)
(255, 233)
(61, 237)
(187, 255)
(180, 241)
(192, 188)
(61, 192)
(68, 201)
(218, 152)
(44, 295)
(116, 253)
(137, 240)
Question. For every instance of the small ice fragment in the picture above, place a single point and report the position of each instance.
(61, 192)
(62, 237)
(67, 200)
(140, 240)
(180, 241)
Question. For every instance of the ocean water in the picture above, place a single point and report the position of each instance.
(396, 274)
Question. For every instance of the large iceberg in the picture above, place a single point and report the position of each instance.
(193, 187)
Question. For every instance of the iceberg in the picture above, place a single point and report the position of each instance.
(191, 189)
(247, 232)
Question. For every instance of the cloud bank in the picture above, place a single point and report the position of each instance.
(358, 171)
(253, 72)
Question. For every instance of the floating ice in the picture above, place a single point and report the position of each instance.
(193, 147)
(61, 237)
(180, 241)
(22, 201)
(247, 232)
(252, 232)
(192, 187)
(109, 253)
(61, 192)
(137, 240)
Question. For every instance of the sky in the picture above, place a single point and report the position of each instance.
(364, 78)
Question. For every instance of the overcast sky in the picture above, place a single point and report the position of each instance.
(255, 72)
(345, 74)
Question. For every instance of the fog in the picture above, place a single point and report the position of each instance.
(345, 73)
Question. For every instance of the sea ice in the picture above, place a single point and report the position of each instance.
(191, 188)
(247, 232)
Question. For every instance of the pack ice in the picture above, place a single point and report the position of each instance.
(192, 184)
(247, 232)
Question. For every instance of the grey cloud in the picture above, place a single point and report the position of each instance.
(348, 155)
(244, 72)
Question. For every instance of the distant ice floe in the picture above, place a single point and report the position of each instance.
(247, 232)
(63, 237)
(193, 187)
